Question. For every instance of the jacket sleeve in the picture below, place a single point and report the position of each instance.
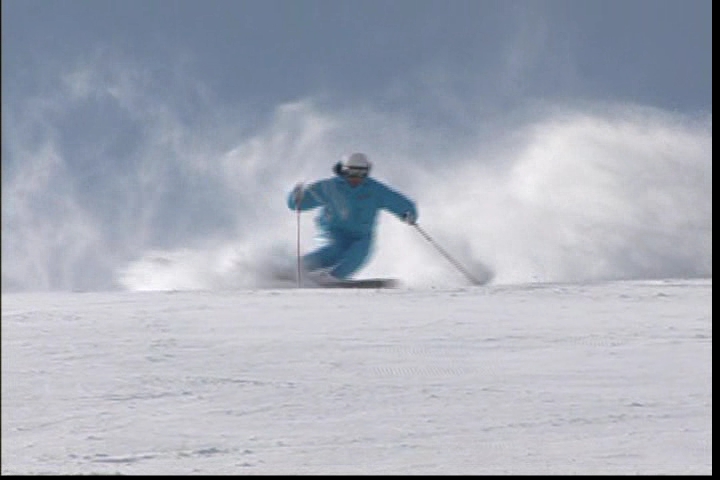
(398, 203)
(312, 197)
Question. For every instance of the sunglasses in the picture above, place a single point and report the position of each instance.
(355, 172)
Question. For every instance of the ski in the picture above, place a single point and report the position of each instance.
(361, 283)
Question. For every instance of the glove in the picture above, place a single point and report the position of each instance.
(409, 218)
(298, 193)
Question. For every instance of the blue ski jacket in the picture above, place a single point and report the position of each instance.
(351, 210)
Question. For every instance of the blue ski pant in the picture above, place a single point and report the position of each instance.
(343, 254)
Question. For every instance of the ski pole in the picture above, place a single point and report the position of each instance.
(299, 280)
(298, 200)
(447, 256)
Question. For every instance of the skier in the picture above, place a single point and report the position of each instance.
(349, 203)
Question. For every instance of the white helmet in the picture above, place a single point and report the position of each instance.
(357, 163)
(356, 160)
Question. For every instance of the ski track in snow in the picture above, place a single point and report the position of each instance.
(612, 378)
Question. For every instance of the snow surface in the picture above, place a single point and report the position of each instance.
(576, 378)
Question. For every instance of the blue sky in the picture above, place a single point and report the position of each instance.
(553, 131)
(655, 52)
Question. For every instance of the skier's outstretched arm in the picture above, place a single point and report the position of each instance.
(400, 205)
(305, 197)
